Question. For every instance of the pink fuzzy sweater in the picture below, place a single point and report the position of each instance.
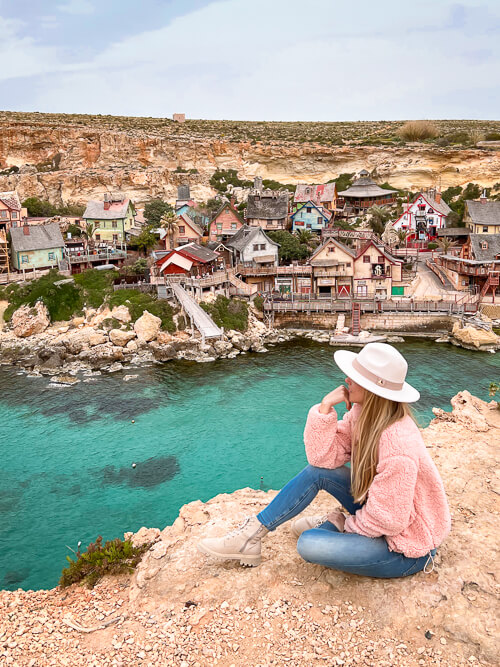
(406, 502)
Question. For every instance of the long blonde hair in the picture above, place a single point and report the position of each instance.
(377, 414)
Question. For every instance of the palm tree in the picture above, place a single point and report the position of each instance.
(168, 222)
(305, 237)
(445, 244)
(88, 234)
(378, 218)
(402, 235)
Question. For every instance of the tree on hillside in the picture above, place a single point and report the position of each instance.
(169, 223)
(74, 230)
(307, 238)
(378, 218)
(290, 246)
(146, 240)
(39, 208)
(154, 210)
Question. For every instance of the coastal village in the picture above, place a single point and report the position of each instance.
(348, 261)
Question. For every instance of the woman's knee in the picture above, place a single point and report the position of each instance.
(311, 546)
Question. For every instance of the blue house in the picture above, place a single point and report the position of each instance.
(200, 218)
(310, 216)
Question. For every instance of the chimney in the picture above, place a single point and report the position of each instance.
(232, 201)
(106, 201)
(26, 230)
(438, 197)
(483, 198)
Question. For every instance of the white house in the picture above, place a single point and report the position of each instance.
(423, 216)
(255, 256)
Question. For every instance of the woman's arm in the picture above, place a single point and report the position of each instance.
(327, 440)
(388, 508)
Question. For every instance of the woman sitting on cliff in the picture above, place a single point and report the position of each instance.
(398, 512)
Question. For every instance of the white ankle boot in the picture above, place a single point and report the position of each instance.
(306, 523)
(242, 544)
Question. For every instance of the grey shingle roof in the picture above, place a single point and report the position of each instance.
(365, 187)
(487, 213)
(440, 207)
(485, 254)
(267, 207)
(201, 252)
(244, 236)
(95, 210)
(453, 231)
(40, 237)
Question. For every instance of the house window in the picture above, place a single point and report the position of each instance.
(388, 270)
(114, 224)
(308, 209)
(331, 249)
(320, 220)
(308, 225)
(485, 230)
(115, 237)
(24, 259)
(219, 225)
(256, 247)
(484, 245)
(13, 215)
(182, 229)
(52, 256)
(97, 237)
(3, 214)
(366, 259)
(97, 224)
(348, 265)
(380, 259)
(233, 225)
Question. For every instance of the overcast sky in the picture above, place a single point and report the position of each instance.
(252, 60)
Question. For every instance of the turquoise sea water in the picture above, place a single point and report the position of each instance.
(200, 430)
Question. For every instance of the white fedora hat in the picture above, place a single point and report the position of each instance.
(381, 369)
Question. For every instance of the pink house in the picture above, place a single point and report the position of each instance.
(225, 223)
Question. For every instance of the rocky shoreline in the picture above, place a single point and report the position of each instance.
(184, 610)
(107, 340)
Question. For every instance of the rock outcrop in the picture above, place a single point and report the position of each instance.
(147, 327)
(29, 321)
(475, 338)
(180, 608)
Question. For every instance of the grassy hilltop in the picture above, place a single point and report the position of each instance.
(460, 133)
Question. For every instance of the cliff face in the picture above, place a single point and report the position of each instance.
(74, 162)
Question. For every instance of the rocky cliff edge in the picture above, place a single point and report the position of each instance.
(182, 609)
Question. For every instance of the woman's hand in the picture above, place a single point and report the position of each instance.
(338, 519)
(338, 395)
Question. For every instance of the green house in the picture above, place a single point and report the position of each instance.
(112, 218)
(36, 246)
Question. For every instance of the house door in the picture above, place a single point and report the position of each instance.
(362, 290)
(344, 291)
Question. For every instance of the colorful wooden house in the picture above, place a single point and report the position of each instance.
(12, 213)
(255, 256)
(191, 259)
(112, 218)
(36, 247)
(475, 264)
(225, 223)
(310, 217)
(365, 193)
(267, 209)
(199, 217)
(187, 231)
(483, 216)
(324, 195)
(333, 269)
(423, 217)
(377, 274)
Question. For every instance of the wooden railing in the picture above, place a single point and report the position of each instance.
(256, 270)
(75, 258)
(368, 305)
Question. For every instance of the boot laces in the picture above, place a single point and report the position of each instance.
(320, 521)
(239, 528)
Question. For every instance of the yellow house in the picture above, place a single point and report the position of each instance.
(483, 216)
(377, 274)
(333, 269)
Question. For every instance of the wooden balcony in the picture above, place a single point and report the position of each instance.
(465, 268)
(256, 270)
(294, 270)
(79, 258)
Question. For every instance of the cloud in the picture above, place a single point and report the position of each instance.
(77, 7)
(240, 60)
(22, 56)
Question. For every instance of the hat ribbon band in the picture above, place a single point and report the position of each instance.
(373, 377)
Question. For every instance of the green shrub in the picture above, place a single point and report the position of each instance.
(96, 285)
(258, 302)
(459, 138)
(228, 313)
(115, 557)
(154, 210)
(492, 136)
(62, 301)
(137, 302)
(432, 246)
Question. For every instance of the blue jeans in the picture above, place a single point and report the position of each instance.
(348, 552)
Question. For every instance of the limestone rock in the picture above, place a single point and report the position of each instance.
(28, 321)
(143, 536)
(102, 355)
(456, 601)
(132, 346)
(121, 313)
(222, 347)
(164, 338)
(97, 338)
(77, 321)
(103, 313)
(147, 327)
(121, 338)
(471, 336)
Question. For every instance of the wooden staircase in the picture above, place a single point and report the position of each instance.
(4, 255)
(493, 282)
(355, 318)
